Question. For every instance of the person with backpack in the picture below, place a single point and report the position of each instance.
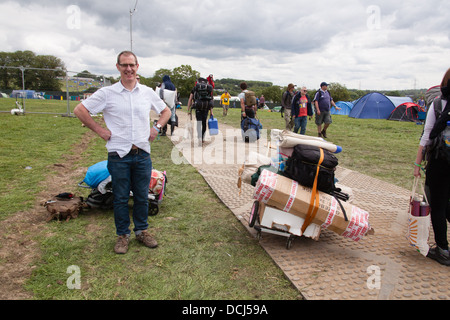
(201, 98)
(437, 173)
(168, 85)
(286, 102)
(323, 102)
(248, 102)
(300, 109)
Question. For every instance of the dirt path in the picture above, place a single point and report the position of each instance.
(18, 250)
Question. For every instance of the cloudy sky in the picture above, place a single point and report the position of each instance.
(361, 44)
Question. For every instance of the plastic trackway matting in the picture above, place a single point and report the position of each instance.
(382, 266)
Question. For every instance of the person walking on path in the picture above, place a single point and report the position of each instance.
(323, 102)
(437, 173)
(126, 108)
(167, 84)
(248, 102)
(225, 102)
(201, 98)
(286, 102)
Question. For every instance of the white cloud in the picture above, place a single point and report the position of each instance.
(381, 45)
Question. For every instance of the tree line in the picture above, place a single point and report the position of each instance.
(183, 77)
(11, 78)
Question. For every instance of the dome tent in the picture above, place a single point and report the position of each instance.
(346, 107)
(406, 112)
(399, 100)
(373, 105)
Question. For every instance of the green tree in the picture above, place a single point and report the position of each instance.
(11, 78)
(184, 78)
(339, 92)
(273, 94)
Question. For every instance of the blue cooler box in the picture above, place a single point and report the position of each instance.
(213, 126)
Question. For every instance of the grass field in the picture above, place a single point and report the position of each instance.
(204, 251)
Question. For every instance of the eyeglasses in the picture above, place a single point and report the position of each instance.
(126, 65)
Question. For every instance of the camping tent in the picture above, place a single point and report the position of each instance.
(399, 100)
(373, 105)
(406, 112)
(346, 107)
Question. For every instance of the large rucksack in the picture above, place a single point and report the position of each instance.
(99, 200)
(250, 129)
(249, 99)
(203, 94)
(438, 148)
(302, 167)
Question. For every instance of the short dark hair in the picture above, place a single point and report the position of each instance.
(126, 53)
(243, 85)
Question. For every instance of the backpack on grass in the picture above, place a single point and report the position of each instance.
(64, 207)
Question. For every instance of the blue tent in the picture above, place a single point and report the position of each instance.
(346, 107)
(372, 106)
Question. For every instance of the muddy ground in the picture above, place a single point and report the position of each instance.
(19, 252)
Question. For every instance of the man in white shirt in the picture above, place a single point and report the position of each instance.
(126, 109)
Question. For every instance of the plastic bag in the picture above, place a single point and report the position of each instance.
(418, 226)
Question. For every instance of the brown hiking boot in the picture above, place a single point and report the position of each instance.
(324, 134)
(147, 239)
(121, 246)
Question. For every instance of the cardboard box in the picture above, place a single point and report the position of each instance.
(273, 218)
(289, 196)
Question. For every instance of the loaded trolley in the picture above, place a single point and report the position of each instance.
(271, 220)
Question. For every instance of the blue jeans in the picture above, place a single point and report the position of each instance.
(130, 173)
(300, 123)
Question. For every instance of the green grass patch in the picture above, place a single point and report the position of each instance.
(204, 252)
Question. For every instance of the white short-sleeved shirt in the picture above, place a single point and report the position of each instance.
(126, 114)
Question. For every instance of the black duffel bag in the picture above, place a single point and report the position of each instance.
(302, 167)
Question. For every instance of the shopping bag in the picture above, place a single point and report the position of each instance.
(418, 224)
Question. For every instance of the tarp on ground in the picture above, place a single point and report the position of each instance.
(346, 107)
(406, 112)
(373, 105)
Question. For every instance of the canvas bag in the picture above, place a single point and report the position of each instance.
(249, 99)
(418, 226)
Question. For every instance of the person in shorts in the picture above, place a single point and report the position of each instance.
(323, 102)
